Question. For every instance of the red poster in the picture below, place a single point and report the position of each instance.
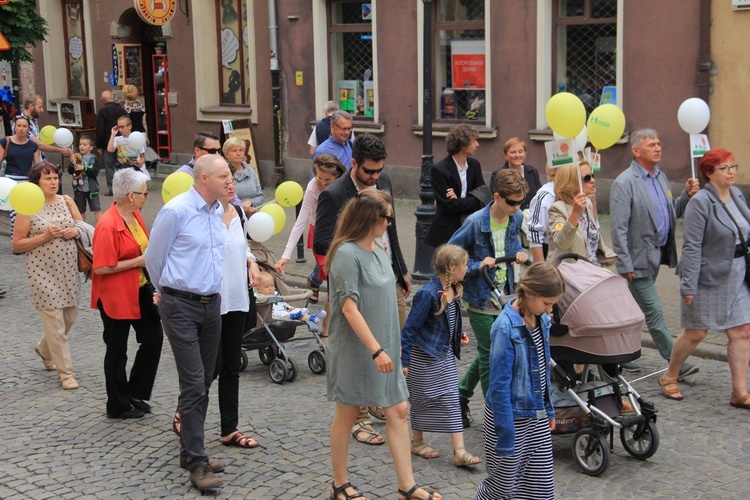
(468, 71)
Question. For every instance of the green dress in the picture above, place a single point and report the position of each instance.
(353, 379)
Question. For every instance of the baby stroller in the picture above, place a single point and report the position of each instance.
(599, 324)
(269, 336)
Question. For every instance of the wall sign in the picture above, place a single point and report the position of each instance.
(156, 12)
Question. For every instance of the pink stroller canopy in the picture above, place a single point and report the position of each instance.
(602, 317)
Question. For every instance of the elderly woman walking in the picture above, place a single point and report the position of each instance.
(712, 274)
(47, 239)
(122, 293)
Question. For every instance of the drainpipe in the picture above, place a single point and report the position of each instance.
(704, 51)
(275, 91)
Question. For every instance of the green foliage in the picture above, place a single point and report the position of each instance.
(21, 25)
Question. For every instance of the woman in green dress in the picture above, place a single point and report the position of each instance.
(364, 348)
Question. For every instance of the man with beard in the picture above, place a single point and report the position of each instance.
(33, 107)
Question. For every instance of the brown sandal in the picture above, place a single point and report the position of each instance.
(669, 388)
(740, 402)
(176, 425)
(422, 449)
(467, 459)
(239, 440)
(365, 433)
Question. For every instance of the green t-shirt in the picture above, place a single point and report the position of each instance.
(498, 239)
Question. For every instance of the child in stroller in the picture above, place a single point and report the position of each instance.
(283, 310)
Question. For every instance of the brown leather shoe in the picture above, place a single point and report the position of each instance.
(204, 478)
(215, 465)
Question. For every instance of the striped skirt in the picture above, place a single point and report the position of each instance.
(528, 473)
(433, 393)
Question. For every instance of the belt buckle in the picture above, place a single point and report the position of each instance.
(205, 300)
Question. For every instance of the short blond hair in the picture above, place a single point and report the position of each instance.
(231, 143)
(130, 92)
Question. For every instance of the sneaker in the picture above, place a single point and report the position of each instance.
(465, 412)
(296, 315)
(215, 465)
(318, 318)
(687, 370)
(204, 478)
(630, 367)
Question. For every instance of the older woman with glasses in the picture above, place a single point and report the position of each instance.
(712, 272)
(247, 184)
(122, 292)
(573, 224)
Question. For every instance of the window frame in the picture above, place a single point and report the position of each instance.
(84, 55)
(545, 79)
(237, 4)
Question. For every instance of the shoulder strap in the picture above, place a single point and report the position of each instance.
(739, 231)
(5, 149)
(239, 212)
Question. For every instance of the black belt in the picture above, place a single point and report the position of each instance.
(203, 299)
(739, 251)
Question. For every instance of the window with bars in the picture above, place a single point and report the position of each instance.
(584, 44)
(75, 50)
(232, 24)
(350, 54)
(460, 62)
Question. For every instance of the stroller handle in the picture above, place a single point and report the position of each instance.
(486, 274)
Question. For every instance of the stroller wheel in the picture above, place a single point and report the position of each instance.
(266, 354)
(317, 362)
(641, 441)
(277, 371)
(292, 368)
(243, 360)
(591, 450)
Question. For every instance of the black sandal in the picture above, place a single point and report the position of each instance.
(342, 489)
(408, 494)
(315, 291)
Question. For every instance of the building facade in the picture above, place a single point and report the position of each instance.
(495, 65)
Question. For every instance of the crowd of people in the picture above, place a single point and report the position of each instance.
(188, 278)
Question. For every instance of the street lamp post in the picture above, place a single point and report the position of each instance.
(425, 212)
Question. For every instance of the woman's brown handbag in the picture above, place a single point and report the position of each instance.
(85, 261)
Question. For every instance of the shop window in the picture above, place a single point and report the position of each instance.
(350, 44)
(461, 70)
(234, 50)
(584, 43)
(75, 48)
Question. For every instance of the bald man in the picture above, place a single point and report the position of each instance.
(185, 260)
(106, 118)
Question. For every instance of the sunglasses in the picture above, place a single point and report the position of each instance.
(587, 177)
(371, 171)
(211, 151)
(512, 203)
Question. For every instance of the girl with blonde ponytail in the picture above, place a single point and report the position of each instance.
(430, 343)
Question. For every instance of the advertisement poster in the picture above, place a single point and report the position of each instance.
(561, 153)
(468, 64)
(698, 145)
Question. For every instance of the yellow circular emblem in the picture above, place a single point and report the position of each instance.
(156, 12)
(559, 226)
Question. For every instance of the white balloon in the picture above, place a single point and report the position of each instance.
(260, 226)
(581, 139)
(63, 137)
(693, 115)
(137, 140)
(6, 185)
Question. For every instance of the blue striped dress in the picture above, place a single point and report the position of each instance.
(527, 474)
(433, 386)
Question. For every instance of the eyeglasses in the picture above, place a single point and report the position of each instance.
(512, 203)
(345, 129)
(144, 193)
(211, 151)
(587, 177)
(372, 171)
(234, 182)
(731, 168)
(389, 218)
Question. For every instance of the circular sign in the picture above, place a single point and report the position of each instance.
(156, 12)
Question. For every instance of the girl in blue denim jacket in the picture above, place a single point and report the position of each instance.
(430, 343)
(518, 415)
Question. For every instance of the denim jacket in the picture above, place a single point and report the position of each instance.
(515, 387)
(427, 331)
(475, 236)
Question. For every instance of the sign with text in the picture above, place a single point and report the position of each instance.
(561, 153)
(468, 64)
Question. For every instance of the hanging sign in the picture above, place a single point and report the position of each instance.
(156, 12)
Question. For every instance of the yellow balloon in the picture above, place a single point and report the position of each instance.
(277, 214)
(565, 114)
(47, 134)
(289, 194)
(26, 198)
(606, 125)
(175, 183)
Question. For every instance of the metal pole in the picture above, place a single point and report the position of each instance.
(425, 212)
(275, 90)
(301, 243)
